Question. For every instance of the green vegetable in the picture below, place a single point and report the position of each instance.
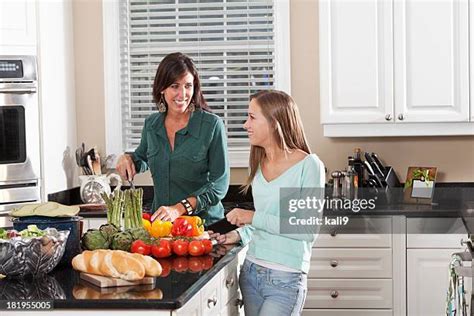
(3, 233)
(122, 241)
(109, 230)
(32, 231)
(95, 239)
(139, 233)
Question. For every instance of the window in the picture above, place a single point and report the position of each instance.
(234, 44)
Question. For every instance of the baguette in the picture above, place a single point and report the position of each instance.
(152, 267)
(112, 263)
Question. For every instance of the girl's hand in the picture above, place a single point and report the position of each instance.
(231, 237)
(168, 213)
(126, 167)
(240, 217)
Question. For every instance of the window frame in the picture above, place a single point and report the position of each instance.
(238, 157)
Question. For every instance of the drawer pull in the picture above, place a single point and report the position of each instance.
(239, 303)
(212, 301)
(229, 283)
(333, 233)
(334, 294)
(334, 263)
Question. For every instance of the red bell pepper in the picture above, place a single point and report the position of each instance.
(181, 227)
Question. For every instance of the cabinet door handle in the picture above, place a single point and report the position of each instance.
(239, 303)
(334, 294)
(229, 283)
(334, 263)
(400, 117)
(388, 117)
(212, 301)
(333, 233)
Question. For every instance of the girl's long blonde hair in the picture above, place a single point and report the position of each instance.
(282, 113)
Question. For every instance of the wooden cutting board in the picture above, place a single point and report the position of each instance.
(103, 281)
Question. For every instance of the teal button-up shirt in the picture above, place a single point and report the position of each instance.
(198, 166)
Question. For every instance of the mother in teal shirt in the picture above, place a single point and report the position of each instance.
(183, 145)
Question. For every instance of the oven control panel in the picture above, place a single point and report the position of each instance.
(11, 69)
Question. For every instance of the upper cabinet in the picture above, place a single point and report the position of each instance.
(18, 27)
(392, 64)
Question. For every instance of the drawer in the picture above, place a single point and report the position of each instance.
(229, 282)
(210, 296)
(349, 293)
(347, 312)
(359, 232)
(350, 263)
(231, 308)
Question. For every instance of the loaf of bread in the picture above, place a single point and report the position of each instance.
(116, 264)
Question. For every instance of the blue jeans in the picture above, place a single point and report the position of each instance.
(271, 292)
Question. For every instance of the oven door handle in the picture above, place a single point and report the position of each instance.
(18, 90)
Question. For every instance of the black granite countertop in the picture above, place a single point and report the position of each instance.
(67, 291)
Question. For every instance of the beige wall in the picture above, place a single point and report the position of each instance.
(454, 156)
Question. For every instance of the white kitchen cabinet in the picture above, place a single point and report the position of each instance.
(356, 56)
(427, 281)
(18, 27)
(401, 66)
(349, 293)
(431, 44)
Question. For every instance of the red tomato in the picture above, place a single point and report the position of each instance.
(207, 262)
(180, 247)
(195, 264)
(180, 264)
(207, 246)
(162, 249)
(196, 248)
(166, 265)
(139, 246)
(146, 216)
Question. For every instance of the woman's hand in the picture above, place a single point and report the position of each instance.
(240, 217)
(231, 237)
(168, 213)
(126, 167)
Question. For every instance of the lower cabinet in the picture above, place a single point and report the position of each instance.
(427, 281)
(220, 296)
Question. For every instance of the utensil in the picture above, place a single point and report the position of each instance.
(372, 174)
(89, 164)
(378, 162)
(375, 167)
(130, 181)
(96, 165)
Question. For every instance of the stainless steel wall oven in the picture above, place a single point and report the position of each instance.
(19, 132)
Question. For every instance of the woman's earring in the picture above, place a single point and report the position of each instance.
(161, 105)
(191, 107)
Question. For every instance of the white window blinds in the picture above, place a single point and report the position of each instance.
(230, 41)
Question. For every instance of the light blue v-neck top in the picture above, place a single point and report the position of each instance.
(266, 241)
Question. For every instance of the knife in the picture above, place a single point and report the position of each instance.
(372, 163)
(378, 162)
(371, 172)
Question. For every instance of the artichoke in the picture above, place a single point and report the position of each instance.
(122, 241)
(95, 239)
(139, 233)
(109, 230)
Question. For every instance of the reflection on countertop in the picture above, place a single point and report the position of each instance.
(182, 278)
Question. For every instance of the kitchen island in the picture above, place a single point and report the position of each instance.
(209, 290)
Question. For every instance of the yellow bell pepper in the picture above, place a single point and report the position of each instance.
(197, 223)
(161, 228)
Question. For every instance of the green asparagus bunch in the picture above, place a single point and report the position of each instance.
(114, 204)
(133, 208)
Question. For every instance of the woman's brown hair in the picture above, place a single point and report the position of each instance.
(282, 113)
(172, 68)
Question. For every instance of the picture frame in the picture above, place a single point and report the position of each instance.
(419, 185)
